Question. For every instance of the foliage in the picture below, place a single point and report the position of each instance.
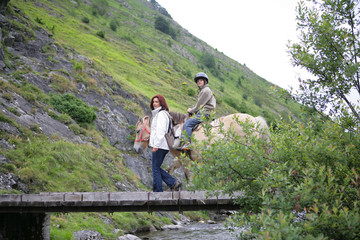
(101, 33)
(163, 25)
(80, 111)
(100, 7)
(113, 25)
(328, 49)
(308, 187)
(85, 19)
(127, 222)
(208, 60)
(59, 166)
(191, 92)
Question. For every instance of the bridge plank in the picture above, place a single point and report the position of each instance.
(115, 201)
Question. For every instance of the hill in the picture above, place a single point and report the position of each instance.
(105, 59)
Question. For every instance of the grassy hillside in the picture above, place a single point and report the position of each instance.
(120, 39)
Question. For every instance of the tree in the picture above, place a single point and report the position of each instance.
(162, 25)
(208, 60)
(329, 49)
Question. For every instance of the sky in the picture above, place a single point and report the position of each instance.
(252, 32)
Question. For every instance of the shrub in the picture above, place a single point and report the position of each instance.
(61, 83)
(208, 60)
(101, 34)
(100, 7)
(308, 187)
(162, 25)
(80, 111)
(85, 20)
(191, 92)
(39, 20)
(78, 66)
(113, 25)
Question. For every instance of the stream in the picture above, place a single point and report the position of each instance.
(193, 231)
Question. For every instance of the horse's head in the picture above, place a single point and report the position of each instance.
(142, 137)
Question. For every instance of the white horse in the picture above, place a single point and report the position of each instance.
(228, 122)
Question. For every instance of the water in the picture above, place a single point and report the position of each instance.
(194, 231)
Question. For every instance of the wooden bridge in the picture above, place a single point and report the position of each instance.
(115, 202)
(27, 216)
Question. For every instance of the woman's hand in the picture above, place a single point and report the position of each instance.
(155, 149)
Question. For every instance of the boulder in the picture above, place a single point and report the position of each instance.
(128, 237)
(88, 234)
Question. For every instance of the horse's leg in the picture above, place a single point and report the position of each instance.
(187, 173)
(175, 165)
(178, 163)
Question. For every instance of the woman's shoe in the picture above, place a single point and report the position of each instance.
(177, 186)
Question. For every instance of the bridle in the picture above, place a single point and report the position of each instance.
(142, 131)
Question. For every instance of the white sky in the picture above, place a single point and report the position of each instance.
(252, 32)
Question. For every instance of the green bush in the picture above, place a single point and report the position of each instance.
(208, 60)
(113, 25)
(191, 92)
(80, 111)
(101, 34)
(308, 187)
(100, 7)
(85, 20)
(162, 25)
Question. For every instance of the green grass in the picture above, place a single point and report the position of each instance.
(60, 166)
(133, 65)
(67, 224)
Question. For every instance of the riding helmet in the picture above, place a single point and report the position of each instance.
(201, 75)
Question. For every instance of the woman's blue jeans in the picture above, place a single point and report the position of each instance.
(159, 174)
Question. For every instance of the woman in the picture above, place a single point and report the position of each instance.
(159, 127)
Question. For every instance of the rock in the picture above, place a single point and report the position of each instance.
(88, 235)
(9, 181)
(5, 145)
(128, 237)
(141, 167)
(3, 159)
(2, 58)
(19, 37)
(9, 41)
(8, 128)
(171, 227)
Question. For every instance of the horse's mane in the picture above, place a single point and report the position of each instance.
(178, 117)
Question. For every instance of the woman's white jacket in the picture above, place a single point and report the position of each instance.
(159, 127)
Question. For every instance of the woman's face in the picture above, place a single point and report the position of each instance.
(156, 103)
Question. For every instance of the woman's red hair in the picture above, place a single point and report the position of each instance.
(162, 101)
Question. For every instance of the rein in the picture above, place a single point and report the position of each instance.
(142, 131)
